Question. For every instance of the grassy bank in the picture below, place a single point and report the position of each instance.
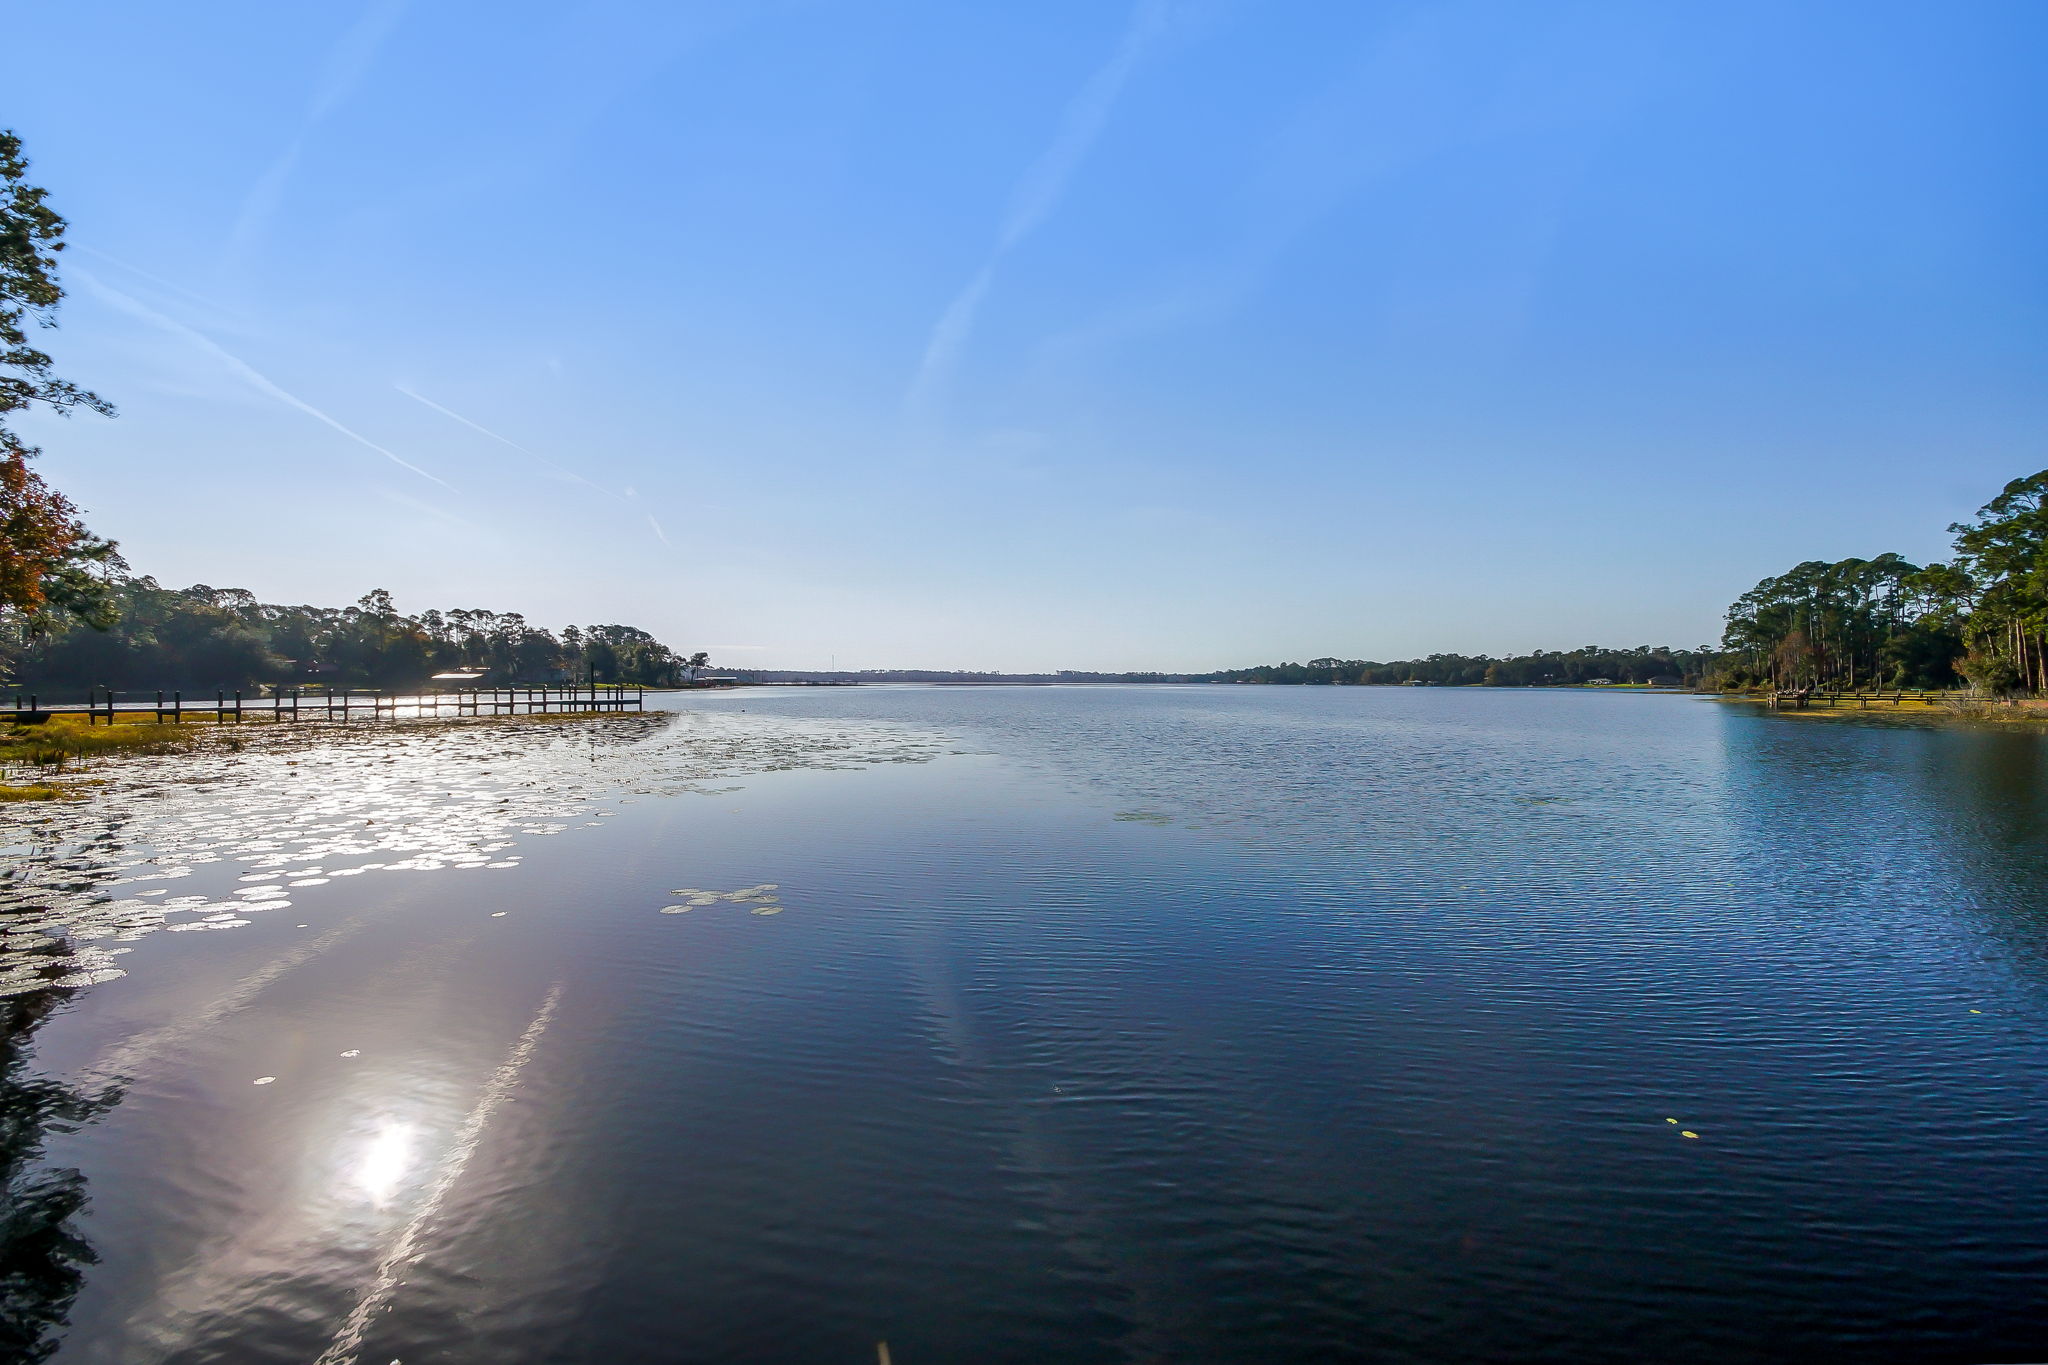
(2003, 712)
(66, 744)
(47, 762)
(1929, 707)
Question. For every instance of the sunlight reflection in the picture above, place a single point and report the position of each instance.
(247, 824)
(381, 1167)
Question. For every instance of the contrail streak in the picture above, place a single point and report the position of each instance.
(347, 63)
(505, 440)
(350, 1339)
(1035, 198)
(561, 469)
(211, 305)
(136, 308)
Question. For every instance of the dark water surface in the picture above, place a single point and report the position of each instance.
(1180, 1024)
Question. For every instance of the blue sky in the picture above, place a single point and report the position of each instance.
(1176, 335)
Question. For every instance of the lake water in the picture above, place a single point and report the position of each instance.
(1021, 1024)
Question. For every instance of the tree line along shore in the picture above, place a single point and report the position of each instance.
(201, 639)
(1978, 620)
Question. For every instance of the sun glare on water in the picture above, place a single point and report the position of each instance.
(381, 1168)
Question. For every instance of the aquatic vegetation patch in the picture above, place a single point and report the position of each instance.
(759, 900)
(32, 962)
(283, 810)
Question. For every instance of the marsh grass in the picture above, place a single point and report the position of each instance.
(32, 757)
(2006, 712)
(62, 740)
(1951, 706)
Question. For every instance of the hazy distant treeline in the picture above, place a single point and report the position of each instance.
(203, 638)
(943, 675)
(1544, 668)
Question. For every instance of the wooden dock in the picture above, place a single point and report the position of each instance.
(1802, 698)
(341, 704)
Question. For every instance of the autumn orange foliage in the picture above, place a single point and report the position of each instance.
(38, 528)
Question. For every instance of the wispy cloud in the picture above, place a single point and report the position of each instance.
(425, 509)
(948, 340)
(248, 373)
(213, 306)
(1042, 187)
(1403, 100)
(1033, 201)
(261, 203)
(348, 61)
(659, 534)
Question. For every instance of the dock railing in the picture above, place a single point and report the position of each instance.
(336, 704)
(1874, 699)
